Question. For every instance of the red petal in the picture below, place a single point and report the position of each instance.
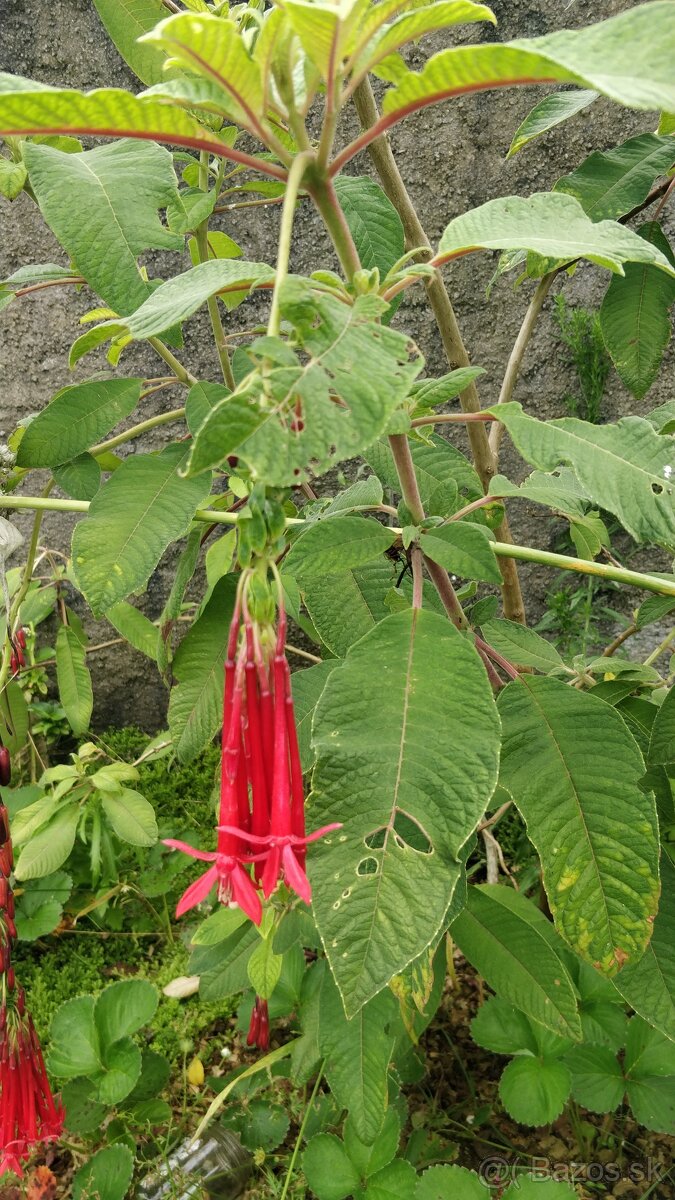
(319, 833)
(295, 876)
(245, 894)
(270, 877)
(197, 891)
(203, 855)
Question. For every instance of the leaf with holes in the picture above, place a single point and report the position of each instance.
(315, 411)
(102, 207)
(635, 317)
(610, 184)
(548, 113)
(406, 816)
(551, 225)
(624, 468)
(574, 772)
(638, 44)
(144, 506)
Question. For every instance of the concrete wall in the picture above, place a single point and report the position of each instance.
(452, 158)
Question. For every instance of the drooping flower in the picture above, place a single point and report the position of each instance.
(30, 1117)
(259, 1026)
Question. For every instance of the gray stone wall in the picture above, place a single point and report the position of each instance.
(452, 158)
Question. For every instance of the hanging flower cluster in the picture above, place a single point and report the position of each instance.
(262, 805)
(29, 1115)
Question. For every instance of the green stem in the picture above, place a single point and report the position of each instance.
(564, 562)
(660, 649)
(182, 374)
(202, 240)
(517, 354)
(135, 431)
(295, 177)
(325, 198)
(301, 1131)
(25, 581)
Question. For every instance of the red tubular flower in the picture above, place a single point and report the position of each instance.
(259, 1027)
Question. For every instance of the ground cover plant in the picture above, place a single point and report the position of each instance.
(352, 847)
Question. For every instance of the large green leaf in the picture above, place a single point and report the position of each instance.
(328, 1168)
(196, 704)
(107, 1175)
(102, 207)
(213, 47)
(649, 985)
(74, 1047)
(406, 813)
(307, 687)
(313, 409)
(74, 680)
(131, 816)
(628, 58)
(463, 548)
(443, 1182)
(624, 468)
(375, 225)
(49, 848)
(75, 420)
(144, 506)
(325, 31)
(125, 21)
(534, 1091)
(338, 544)
(123, 1008)
(137, 629)
(347, 605)
(610, 184)
(28, 107)
(548, 113)
(552, 225)
(410, 26)
(635, 316)
(358, 1053)
(574, 771)
(522, 646)
(511, 943)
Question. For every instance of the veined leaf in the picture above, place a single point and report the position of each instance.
(374, 222)
(548, 113)
(307, 688)
(406, 816)
(429, 393)
(463, 548)
(75, 419)
(346, 606)
(144, 506)
(413, 25)
(440, 468)
(534, 1091)
(181, 296)
(28, 107)
(649, 984)
(50, 846)
(131, 816)
(610, 184)
(324, 29)
(560, 490)
(102, 207)
(212, 47)
(521, 645)
(511, 943)
(635, 319)
(628, 58)
(574, 772)
(74, 680)
(341, 544)
(624, 468)
(134, 627)
(195, 706)
(80, 478)
(125, 21)
(552, 225)
(316, 410)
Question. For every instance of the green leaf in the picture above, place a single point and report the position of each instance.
(662, 739)
(307, 688)
(551, 225)
(144, 506)
(548, 113)
(560, 490)
(328, 1169)
(80, 478)
(649, 984)
(400, 846)
(83, 1114)
(621, 466)
(134, 627)
(639, 44)
(610, 184)
(370, 1157)
(357, 1054)
(195, 706)
(527, 1188)
(122, 1069)
(649, 1067)
(39, 909)
(634, 317)
(292, 392)
(155, 1075)
(441, 470)
(534, 1091)
(393, 1182)
(13, 717)
(346, 606)
(500, 1027)
(120, 187)
(410, 26)
(12, 178)
(374, 223)
(76, 419)
(75, 690)
(223, 968)
(49, 848)
(463, 548)
(28, 107)
(429, 393)
(343, 543)
(364, 491)
(574, 771)
(597, 1079)
(514, 948)
(522, 646)
(106, 1176)
(589, 534)
(125, 21)
(123, 1008)
(264, 968)
(131, 816)
(219, 926)
(264, 1126)
(73, 1040)
(443, 1183)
